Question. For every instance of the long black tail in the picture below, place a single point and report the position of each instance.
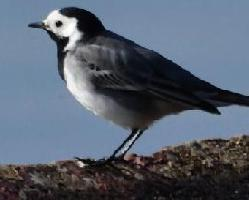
(226, 98)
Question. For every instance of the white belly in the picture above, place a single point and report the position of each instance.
(80, 87)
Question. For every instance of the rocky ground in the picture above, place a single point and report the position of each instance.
(209, 169)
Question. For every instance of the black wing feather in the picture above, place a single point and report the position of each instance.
(126, 66)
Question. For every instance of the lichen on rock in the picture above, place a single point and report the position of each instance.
(208, 169)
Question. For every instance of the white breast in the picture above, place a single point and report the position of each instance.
(78, 84)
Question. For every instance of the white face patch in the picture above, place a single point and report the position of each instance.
(63, 26)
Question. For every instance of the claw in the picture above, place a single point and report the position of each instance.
(87, 162)
(82, 162)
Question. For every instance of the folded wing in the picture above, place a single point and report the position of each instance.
(120, 65)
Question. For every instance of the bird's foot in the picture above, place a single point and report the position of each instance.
(87, 162)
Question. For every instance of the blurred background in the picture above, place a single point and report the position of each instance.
(41, 122)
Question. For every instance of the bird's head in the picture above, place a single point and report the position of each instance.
(69, 25)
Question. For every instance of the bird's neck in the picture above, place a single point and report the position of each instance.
(61, 44)
(72, 41)
(65, 45)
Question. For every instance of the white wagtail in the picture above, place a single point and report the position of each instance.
(122, 81)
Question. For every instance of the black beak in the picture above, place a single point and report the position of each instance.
(40, 25)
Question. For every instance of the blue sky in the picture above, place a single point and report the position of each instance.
(41, 122)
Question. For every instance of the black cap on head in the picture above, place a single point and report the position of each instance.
(87, 21)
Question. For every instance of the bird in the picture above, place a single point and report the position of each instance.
(122, 81)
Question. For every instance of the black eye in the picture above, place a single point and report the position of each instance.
(58, 24)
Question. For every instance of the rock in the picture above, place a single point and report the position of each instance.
(209, 169)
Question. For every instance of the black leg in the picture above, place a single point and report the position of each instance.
(134, 139)
(131, 139)
(131, 136)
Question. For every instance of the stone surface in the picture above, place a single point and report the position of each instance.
(209, 169)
